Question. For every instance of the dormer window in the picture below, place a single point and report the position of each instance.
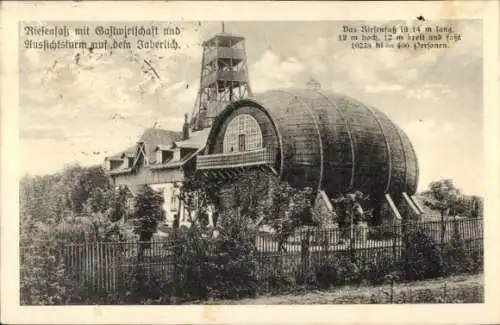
(128, 160)
(163, 154)
(112, 163)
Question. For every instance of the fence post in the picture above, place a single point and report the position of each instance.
(443, 228)
(304, 252)
(392, 290)
(394, 241)
(176, 277)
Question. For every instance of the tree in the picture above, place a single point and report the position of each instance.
(148, 211)
(444, 196)
(199, 193)
(82, 181)
(255, 195)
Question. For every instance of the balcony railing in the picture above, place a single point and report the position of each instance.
(234, 76)
(224, 53)
(235, 159)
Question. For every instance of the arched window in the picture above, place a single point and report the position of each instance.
(242, 134)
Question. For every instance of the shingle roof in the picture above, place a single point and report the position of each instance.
(155, 137)
(152, 138)
(164, 140)
(196, 140)
(118, 156)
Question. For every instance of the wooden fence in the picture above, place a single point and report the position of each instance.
(104, 265)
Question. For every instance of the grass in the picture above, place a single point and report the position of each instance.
(463, 288)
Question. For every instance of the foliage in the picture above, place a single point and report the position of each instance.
(422, 258)
(445, 197)
(190, 251)
(221, 267)
(232, 268)
(148, 211)
(477, 261)
(375, 271)
(198, 193)
(139, 287)
(254, 195)
(288, 210)
(74, 205)
(112, 203)
(43, 278)
(455, 256)
(82, 181)
(76, 191)
(337, 271)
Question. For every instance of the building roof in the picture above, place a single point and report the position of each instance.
(153, 139)
(196, 140)
(223, 39)
(119, 156)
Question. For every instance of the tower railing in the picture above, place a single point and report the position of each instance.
(224, 53)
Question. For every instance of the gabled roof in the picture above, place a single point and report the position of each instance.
(196, 140)
(152, 138)
(119, 155)
(158, 139)
(128, 155)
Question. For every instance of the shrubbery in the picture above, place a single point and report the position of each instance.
(43, 276)
(220, 268)
(422, 258)
(456, 259)
(337, 272)
(375, 271)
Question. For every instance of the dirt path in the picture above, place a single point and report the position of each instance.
(348, 294)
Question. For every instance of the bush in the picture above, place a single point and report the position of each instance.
(231, 269)
(217, 268)
(456, 259)
(477, 261)
(335, 272)
(376, 270)
(141, 287)
(326, 274)
(190, 249)
(421, 257)
(43, 277)
(279, 284)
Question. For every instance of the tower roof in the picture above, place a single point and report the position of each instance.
(223, 39)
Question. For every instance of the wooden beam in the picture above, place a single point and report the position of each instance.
(222, 175)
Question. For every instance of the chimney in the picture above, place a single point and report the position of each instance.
(185, 128)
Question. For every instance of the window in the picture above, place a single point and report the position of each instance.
(241, 142)
(242, 134)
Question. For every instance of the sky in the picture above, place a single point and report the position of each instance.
(78, 108)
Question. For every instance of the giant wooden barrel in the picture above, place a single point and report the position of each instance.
(326, 141)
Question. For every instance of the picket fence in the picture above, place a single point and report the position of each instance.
(105, 265)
